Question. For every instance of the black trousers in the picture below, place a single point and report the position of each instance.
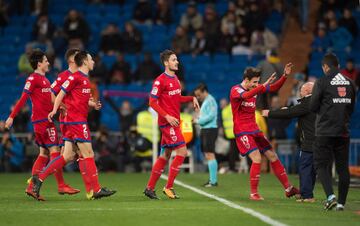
(307, 174)
(326, 150)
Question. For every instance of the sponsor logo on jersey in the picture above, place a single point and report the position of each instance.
(27, 85)
(341, 91)
(66, 84)
(45, 90)
(53, 84)
(86, 90)
(248, 104)
(341, 100)
(154, 91)
(339, 79)
(174, 92)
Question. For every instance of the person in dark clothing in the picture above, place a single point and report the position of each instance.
(110, 41)
(162, 13)
(349, 22)
(43, 29)
(121, 71)
(306, 122)
(333, 101)
(76, 28)
(143, 12)
(131, 38)
(147, 70)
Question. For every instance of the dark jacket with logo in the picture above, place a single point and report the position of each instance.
(306, 121)
(333, 101)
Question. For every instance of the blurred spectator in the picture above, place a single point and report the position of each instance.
(198, 43)
(321, 41)
(349, 22)
(76, 29)
(340, 38)
(298, 81)
(270, 65)
(99, 73)
(162, 13)
(59, 42)
(254, 17)
(325, 18)
(180, 42)
(24, 66)
(226, 42)
(241, 8)
(304, 7)
(110, 40)
(21, 121)
(140, 148)
(38, 7)
(332, 5)
(43, 29)
(4, 19)
(277, 127)
(131, 39)
(211, 27)
(241, 42)
(350, 70)
(262, 39)
(191, 20)
(143, 12)
(147, 70)
(11, 153)
(107, 150)
(230, 22)
(120, 71)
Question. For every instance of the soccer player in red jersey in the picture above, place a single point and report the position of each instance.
(165, 99)
(77, 89)
(249, 139)
(37, 87)
(55, 89)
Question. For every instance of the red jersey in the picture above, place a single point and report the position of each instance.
(243, 106)
(38, 88)
(78, 91)
(167, 90)
(56, 87)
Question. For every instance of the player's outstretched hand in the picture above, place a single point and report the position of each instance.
(9, 123)
(287, 69)
(265, 113)
(172, 120)
(270, 79)
(196, 104)
(51, 115)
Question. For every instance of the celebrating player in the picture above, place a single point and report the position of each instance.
(77, 87)
(165, 99)
(249, 139)
(37, 87)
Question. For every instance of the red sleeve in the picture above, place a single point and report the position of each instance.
(253, 92)
(185, 99)
(277, 85)
(19, 105)
(69, 84)
(153, 103)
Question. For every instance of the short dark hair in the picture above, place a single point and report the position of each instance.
(71, 52)
(165, 55)
(36, 56)
(251, 72)
(202, 87)
(331, 60)
(80, 57)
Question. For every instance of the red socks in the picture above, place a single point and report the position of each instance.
(91, 173)
(156, 172)
(85, 176)
(54, 165)
(58, 173)
(254, 177)
(280, 173)
(39, 164)
(174, 170)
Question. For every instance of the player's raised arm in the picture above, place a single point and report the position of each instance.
(279, 83)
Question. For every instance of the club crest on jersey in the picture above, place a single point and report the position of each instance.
(27, 85)
(71, 77)
(171, 85)
(85, 82)
(154, 91)
(66, 84)
(341, 91)
(44, 82)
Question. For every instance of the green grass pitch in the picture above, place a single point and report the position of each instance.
(130, 207)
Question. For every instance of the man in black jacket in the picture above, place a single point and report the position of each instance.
(306, 125)
(333, 101)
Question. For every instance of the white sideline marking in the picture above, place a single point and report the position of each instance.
(226, 202)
